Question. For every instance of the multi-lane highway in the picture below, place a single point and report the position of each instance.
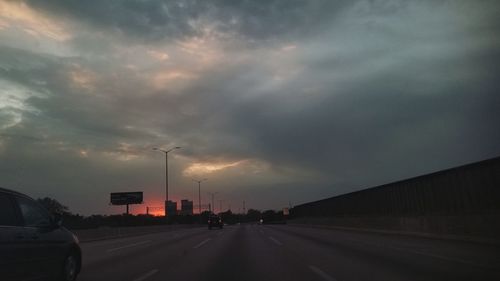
(281, 252)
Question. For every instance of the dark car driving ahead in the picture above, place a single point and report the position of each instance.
(33, 244)
(214, 221)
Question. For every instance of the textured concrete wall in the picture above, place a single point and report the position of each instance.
(459, 201)
(479, 227)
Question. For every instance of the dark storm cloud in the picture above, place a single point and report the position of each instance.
(363, 133)
(329, 96)
(149, 19)
(156, 20)
(429, 105)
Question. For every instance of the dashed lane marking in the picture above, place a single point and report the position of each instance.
(128, 246)
(202, 243)
(275, 241)
(147, 275)
(321, 273)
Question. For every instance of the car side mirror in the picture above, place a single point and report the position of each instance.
(57, 220)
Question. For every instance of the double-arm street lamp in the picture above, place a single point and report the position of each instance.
(199, 193)
(166, 173)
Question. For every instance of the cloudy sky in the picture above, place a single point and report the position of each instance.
(273, 101)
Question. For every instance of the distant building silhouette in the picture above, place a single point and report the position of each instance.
(186, 207)
(171, 208)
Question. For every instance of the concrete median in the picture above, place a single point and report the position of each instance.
(105, 232)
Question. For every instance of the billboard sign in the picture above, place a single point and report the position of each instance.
(125, 198)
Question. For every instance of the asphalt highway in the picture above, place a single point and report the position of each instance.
(282, 252)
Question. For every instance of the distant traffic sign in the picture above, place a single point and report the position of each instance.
(126, 198)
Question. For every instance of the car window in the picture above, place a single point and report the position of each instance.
(33, 214)
(7, 211)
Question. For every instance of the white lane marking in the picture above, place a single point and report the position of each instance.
(275, 241)
(128, 246)
(220, 233)
(321, 273)
(147, 275)
(202, 243)
(92, 244)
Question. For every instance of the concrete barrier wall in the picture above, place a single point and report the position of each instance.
(85, 235)
(468, 227)
(459, 201)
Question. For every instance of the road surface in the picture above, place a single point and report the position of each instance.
(282, 252)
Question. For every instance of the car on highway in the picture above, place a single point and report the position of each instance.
(33, 243)
(215, 221)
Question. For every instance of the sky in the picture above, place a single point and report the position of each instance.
(276, 103)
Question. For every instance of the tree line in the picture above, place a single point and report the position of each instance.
(77, 221)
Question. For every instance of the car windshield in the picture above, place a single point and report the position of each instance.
(249, 140)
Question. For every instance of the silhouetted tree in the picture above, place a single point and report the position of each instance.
(253, 215)
(269, 216)
(204, 216)
(228, 217)
(53, 206)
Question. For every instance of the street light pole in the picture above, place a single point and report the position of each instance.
(213, 194)
(166, 185)
(166, 174)
(199, 193)
(220, 205)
